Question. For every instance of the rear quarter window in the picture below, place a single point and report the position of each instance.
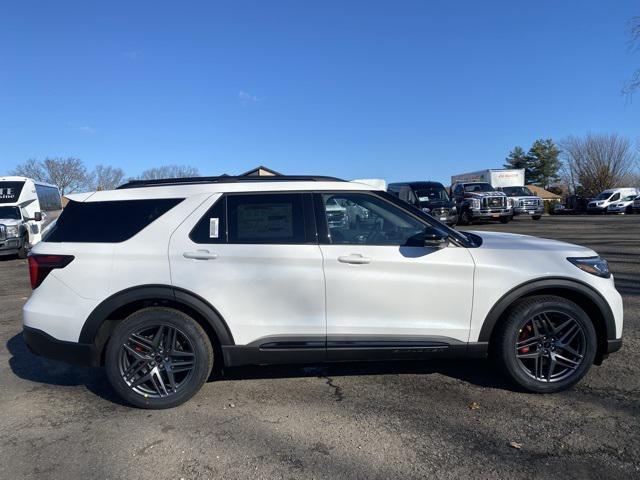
(107, 222)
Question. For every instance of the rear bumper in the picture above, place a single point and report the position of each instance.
(45, 345)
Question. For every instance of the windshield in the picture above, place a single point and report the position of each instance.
(12, 213)
(517, 191)
(431, 194)
(478, 187)
(604, 196)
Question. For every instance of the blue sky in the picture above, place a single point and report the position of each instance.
(401, 90)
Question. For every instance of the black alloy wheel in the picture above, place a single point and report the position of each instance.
(158, 358)
(545, 344)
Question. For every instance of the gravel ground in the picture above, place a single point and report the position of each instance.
(341, 421)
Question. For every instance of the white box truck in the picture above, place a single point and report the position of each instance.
(510, 181)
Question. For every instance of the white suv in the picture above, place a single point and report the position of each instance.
(162, 281)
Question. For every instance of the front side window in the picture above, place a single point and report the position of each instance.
(361, 219)
(615, 198)
(266, 218)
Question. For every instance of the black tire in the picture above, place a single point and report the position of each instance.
(504, 219)
(537, 217)
(557, 310)
(24, 248)
(465, 217)
(629, 210)
(178, 380)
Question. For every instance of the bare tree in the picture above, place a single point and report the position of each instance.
(634, 44)
(68, 174)
(31, 168)
(169, 171)
(105, 178)
(597, 162)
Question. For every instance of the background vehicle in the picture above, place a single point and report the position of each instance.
(512, 182)
(607, 197)
(524, 202)
(636, 205)
(430, 197)
(624, 205)
(27, 208)
(180, 276)
(480, 201)
(572, 205)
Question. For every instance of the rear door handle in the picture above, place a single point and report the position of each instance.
(200, 255)
(354, 259)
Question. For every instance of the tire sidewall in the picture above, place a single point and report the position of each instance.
(511, 331)
(159, 316)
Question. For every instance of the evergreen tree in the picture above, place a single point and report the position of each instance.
(544, 163)
(518, 159)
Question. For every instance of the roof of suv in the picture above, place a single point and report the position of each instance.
(417, 184)
(181, 188)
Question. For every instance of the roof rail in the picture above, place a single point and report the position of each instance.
(225, 179)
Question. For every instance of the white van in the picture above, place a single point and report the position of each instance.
(606, 198)
(27, 209)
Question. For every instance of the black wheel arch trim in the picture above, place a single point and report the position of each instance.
(101, 313)
(542, 284)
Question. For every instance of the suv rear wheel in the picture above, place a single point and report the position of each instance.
(158, 358)
(546, 344)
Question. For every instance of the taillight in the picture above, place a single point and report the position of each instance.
(41, 265)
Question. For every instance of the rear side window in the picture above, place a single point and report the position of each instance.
(107, 222)
(266, 218)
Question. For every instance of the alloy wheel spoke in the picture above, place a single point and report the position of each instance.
(130, 373)
(571, 350)
(138, 355)
(527, 342)
(141, 341)
(569, 335)
(157, 338)
(550, 368)
(566, 362)
(535, 354)
(158, 382)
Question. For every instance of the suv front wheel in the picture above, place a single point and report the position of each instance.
(546, 344)
(158, 358)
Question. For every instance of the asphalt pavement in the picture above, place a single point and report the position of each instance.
(439, 419)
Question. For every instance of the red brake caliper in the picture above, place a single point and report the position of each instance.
(524, 334)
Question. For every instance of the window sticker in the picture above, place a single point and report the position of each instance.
(214, 227)
(265, 220)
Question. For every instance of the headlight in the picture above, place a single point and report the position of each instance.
(593, 265)
(599, 203)
(510, 202)
(13, 231)
(475, 204)
(453, 210)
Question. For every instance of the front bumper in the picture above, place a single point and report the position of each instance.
(528, 211)
(596, 209)
(490, 214)
(45, 345)
(10, 246)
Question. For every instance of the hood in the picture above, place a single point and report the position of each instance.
(10, 221)
(513, 241)
(484, 194)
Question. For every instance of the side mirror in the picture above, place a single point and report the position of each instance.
(37, 216)
(434, 240)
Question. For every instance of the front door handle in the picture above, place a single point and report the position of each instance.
(354, 259)
(200, 255)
